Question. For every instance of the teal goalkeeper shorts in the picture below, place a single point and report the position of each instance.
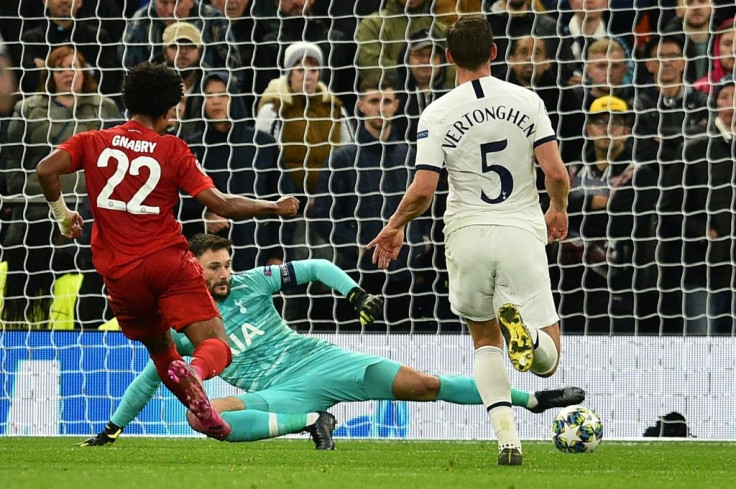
(342, 377)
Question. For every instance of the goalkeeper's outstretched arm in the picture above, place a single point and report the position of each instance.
(368, 306)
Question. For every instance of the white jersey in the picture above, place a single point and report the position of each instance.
(484, 132)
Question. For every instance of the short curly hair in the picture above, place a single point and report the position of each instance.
(202, 243)
(151, 89)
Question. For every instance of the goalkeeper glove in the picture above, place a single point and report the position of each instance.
(108, 435)
(369, 307)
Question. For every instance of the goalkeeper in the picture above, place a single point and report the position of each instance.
(290, 379)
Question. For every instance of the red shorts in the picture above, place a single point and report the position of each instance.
(166, 290)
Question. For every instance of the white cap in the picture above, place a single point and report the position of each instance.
(296, 52)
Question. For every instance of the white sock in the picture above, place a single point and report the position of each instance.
(545, 353)
(495, 391)
(312, 418)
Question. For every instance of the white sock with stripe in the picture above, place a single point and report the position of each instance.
(495, 390)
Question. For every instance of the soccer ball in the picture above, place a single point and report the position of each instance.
(577, 429)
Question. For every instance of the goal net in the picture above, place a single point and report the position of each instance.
(324, 104)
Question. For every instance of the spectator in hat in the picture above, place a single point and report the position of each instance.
(294, 22)
(382, 35)
(183, 52)
(609, 250)
(308, 122)
(143, 37)
(421, 77)
(300, 112)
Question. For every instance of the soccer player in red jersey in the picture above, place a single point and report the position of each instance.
(134, 173)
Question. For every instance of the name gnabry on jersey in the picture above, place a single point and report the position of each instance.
(479, 116)
(134, 144)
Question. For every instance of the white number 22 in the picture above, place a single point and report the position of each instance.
(135, 205)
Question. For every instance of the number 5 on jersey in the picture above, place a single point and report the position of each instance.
(135, 204)
(507, 180)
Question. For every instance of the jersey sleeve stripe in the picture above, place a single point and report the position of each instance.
(428, 167)
(288, 276)
(478, 89)
(545, 140)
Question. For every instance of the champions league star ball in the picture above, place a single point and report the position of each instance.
(577, 429)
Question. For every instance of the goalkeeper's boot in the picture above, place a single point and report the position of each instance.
(560, 397)
(519, 344)
(321, 431)
(510, 456)
(108, 435)
(190, 387)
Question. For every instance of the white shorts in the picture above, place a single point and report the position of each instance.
(489, 266)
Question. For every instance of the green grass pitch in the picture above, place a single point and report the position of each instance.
(142, 463)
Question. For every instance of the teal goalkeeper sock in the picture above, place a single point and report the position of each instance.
(458, 390)
(462, 390)
(250, 425)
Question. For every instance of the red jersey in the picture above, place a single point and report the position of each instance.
(133, 179)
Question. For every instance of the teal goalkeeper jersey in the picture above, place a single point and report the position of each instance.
(265, 350)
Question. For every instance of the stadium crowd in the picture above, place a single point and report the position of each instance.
(321, 98)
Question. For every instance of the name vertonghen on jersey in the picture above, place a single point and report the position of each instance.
(479, 116)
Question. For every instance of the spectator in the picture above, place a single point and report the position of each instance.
(670, 111)
(361, 186)
(59, 29)
(143, 38)
(183, 51)
(667, 114)
(240, 161)
(308, 122)
(421, 76)
(247, 34)
(382, 36)
(68, 103)
(296, 23)
(609, 251)
(608, 71)
(306, 119)
(693, 24)
(8, 83)
(587, 25)
(724, 54)
(512, 19)
(530, 67)
(697, 217)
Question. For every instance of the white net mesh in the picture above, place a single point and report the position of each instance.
(650, 251)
